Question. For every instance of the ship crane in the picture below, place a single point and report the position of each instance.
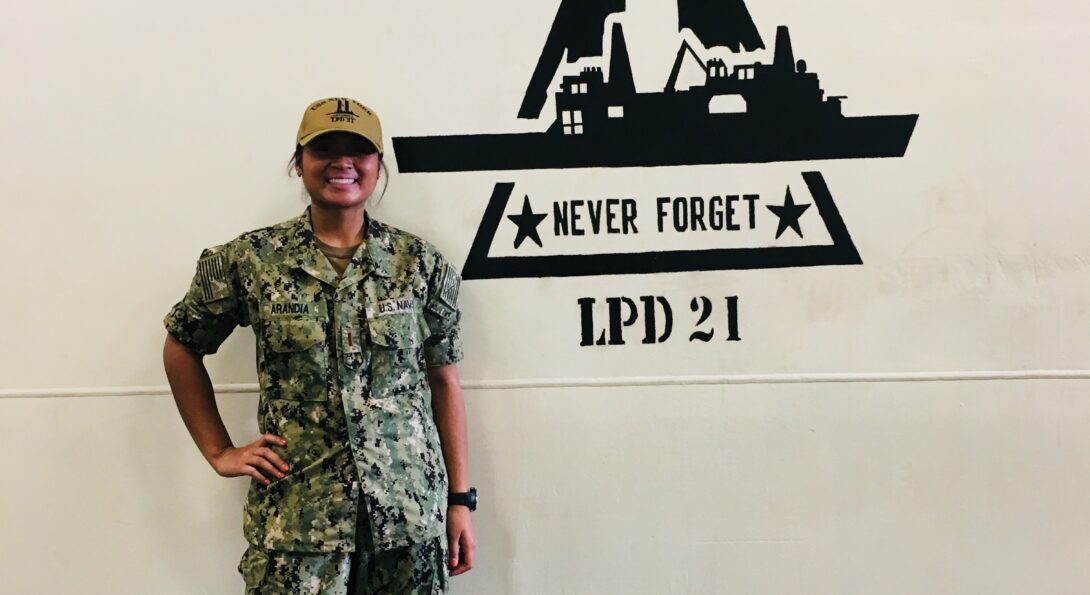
(671, 84)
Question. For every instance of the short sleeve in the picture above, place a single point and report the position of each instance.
(210, 310)
(444, 343)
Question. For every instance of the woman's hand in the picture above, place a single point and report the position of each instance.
(461, 541)
(255, 459)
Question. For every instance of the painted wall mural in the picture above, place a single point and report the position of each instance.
(730, 112)
(664, 216)
(600, 122)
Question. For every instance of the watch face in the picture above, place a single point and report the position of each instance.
(471, 498)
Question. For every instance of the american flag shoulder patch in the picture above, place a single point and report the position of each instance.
(212, 276)
(449, 282)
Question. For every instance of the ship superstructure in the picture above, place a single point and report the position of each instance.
(751, 113)
(587, 104)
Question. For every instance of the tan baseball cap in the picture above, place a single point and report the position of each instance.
(339, 114)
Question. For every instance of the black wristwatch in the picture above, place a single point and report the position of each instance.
(467, 499)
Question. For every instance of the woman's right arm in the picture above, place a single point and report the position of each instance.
(196, 403)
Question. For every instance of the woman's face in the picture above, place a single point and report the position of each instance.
(339, 170)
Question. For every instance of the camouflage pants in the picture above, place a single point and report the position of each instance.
(419, 569)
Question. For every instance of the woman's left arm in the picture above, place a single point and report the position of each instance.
(448, 409)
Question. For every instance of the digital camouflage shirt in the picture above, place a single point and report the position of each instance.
(342, 368)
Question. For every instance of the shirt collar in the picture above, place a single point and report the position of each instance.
(373, 256)
(377, 251)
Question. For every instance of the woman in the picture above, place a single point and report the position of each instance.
(361, 409)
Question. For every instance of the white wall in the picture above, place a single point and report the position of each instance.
(916, 424)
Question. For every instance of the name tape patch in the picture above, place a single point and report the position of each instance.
(292, 309)
(394, 306)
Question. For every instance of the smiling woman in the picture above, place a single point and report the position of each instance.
(357, 150)
(339, 169)
(359, 482)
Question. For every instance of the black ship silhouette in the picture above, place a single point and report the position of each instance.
(785, 113)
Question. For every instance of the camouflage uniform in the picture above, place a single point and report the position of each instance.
(342, 364)
(419, 569)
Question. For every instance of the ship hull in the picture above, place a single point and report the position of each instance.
(728, 138)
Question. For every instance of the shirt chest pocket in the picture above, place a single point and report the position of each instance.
(397, 357)
(296, 359)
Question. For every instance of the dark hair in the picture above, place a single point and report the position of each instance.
(296, 162)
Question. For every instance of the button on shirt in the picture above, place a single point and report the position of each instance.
(341, 363)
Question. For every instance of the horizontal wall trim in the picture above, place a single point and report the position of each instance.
(837, 378)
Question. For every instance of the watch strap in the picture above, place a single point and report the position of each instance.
(467, 499)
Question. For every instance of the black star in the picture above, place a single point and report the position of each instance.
(789, 214)
(527, 221)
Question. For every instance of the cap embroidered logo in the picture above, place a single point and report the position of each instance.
(344, 112)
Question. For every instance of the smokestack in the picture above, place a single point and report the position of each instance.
(620, 68)
(785, 56)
